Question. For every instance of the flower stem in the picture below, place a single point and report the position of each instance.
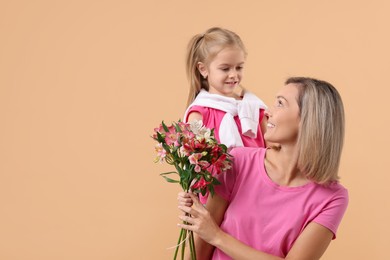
(183, 246)
(192, 246)
(178, 243)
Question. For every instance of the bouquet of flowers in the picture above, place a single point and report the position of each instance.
(197, 157)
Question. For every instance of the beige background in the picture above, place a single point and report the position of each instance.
(83, 84)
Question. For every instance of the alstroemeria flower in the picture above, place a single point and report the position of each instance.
(220, 165)
(196, 155)
(172, 137)
(197, 127)
(201, 184)
(199, 165)
(161, 153)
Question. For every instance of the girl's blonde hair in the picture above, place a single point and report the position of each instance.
(321, 135)
(203, 48)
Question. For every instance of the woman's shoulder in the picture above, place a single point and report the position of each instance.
(247, 154)
(247, 150)
(334, 190)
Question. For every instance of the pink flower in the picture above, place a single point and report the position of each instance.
(201, 184)
(159, 129)
(219, 165)
(195, 153)
(215, 151)
(161, 153)
(187, 135)
(184, 151)
(172, 137)
(195, 159)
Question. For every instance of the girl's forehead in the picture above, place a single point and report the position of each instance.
(217, 49)
(229, 53)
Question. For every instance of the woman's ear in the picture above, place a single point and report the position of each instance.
(202, 69)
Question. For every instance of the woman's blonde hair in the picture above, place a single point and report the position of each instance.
(321, 135)
(203, 48)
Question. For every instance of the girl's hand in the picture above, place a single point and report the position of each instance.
(198, 218)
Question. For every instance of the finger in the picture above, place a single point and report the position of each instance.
(184, 202)
(188, 219)
(195, 200)
(187, 200)
(189, 210)
(185, 226)
(183, 194)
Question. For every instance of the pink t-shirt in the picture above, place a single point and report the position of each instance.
(269, 217)
(212, 119)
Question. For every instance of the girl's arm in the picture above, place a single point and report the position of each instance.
(263, 126)
(194, 116)
(310, 245)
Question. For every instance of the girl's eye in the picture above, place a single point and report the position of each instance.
(240, 68)
(279, 103)
(225, 69)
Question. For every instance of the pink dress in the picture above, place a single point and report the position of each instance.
(269, 217)
(212, 119)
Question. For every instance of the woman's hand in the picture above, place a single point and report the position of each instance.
(184, 199)
(198, 218)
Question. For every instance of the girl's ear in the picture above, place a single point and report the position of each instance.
(202, 69)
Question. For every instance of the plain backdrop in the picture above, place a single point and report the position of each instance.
(83, 84)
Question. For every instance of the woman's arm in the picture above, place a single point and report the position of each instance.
(310, 245)
(216, 206)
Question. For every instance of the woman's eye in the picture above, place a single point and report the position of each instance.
(240, 68)
(279, 103)
(225, 69)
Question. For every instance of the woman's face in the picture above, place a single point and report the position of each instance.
(283, 117)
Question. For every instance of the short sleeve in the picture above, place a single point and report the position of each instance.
(199, 109)
(332, 214)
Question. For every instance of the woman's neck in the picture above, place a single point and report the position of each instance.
(281, 167)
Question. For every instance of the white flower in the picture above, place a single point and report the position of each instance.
(197, 127)
(207, 134)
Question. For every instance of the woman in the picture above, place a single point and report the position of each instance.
(283, 202)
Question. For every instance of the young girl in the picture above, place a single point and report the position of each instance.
(215, 63)
(279, 203)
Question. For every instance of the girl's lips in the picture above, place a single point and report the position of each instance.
(232, 83)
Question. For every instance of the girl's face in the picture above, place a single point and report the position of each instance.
(224, 73)
(283, 117)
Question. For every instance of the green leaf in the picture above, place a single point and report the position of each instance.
(160, 138)
(164, 126)
(166, 147)
(177, 127)
(166, 173)
(211, 189)
(169, 179)
(224, 147)
(215, 181)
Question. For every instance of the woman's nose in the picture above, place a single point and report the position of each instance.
(267, 113)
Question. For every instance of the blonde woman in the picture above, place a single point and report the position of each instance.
(283, 202)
